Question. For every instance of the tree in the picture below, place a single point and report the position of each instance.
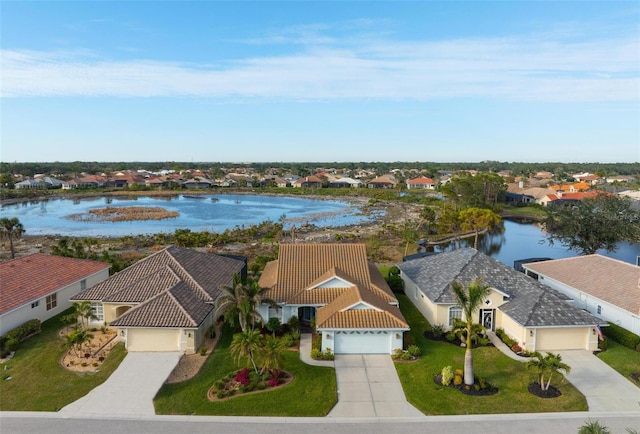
(477, 220)
(270, 355)
(245, 345)
(76, 338)
(11, 228)
(84, 311)
(546, 366)
(241, 300)
(469, 300)
(595, 223)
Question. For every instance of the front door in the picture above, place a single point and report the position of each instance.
(306, 313)
(486, 316)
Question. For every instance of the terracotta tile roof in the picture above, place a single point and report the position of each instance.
(297, 278)
(174, 287)
(29, 278)
(608, 279)
(421, 180)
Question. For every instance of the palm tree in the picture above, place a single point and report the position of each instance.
(546, 366)
(469, 300)
(84, 310)
(76, 339)
(245, 345)
(255, 297)
(11, 228)
(229, 303)
(271, 355)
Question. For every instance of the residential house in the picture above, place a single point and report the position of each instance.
(197, 182)
(382, 182)
(560, 197)
(42, 183)
(308, 182)
(164, 302)
(422, 183)
(538, 317)
(606, 287)
(39, 286)
(345, 182)
(620, 178)
(571, 188)
(353, 306)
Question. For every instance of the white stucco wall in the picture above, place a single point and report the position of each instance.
(20, 315)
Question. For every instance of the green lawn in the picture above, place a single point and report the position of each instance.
(622, 359)
(38, 381)
(533, 212)
(312, 392)
(510, 376)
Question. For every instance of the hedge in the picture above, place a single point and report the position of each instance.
(13, 337)
(622, 336)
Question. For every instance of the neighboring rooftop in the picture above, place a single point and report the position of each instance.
(29, 278)
(608, 279)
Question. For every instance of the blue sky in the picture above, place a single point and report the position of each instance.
(320, 81)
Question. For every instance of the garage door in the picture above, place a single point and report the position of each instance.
(152, 340)
(364, 342)
(562, 339)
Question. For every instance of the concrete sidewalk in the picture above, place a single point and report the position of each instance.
(129, 390)
(368, 386)
(604, 388)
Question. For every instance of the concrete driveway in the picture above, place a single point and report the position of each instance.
(129, 390)
(605, 389)
(368, 386)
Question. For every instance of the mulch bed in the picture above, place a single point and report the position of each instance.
(471, 391)
(285, 379)
(551, 392)
(457, 342)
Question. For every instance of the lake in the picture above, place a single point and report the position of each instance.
(528, 240)
(213, 213)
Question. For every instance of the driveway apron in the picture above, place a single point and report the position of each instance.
(604, 388)
(368, 386)
(130, 389)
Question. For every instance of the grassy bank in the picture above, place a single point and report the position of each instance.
(38, 382)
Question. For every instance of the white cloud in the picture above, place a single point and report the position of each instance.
(498, 68)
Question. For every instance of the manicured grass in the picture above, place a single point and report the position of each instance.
(510, 376)
(38, 381)
(622, 359)
(312, 392)
(533, 212)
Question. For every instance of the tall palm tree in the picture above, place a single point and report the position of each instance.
(11, 228)
(84, 310)
(469, 299)
(546, 366)
(229, 303)
(245, 345)
(256, 296)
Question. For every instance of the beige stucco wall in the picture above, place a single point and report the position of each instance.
(110, 310)
(19, 316)
(420, 301)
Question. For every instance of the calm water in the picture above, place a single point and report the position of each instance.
(214, 213)
(527, 240)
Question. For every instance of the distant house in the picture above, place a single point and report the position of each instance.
(620, 178)
(354, 309)
(197, 182)
(538, 317)
(606, 287)
(281, 182)
(345, 183)
(421, 183)
(43, 183)
(164, 302)
(382, 182)
(39, 286)
(124, 180)
(308, 182)
(561, 197)
(571, 188)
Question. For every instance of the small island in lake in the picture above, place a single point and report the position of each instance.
(123, 214)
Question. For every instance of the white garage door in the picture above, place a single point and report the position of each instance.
(363, 342)
(562, 339)
(152, 340)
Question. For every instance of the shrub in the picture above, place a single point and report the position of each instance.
(395, 283)
(622, 336)
(316, 354)
(397, 353)
(101, 359)
(447, 375)
(414, 350)
(219, 385)
(457, 380)
(273, 382)
(261, 386)
(459, 372)
(203, 350)
(406, 355)
(437, 330)
(295, 334)
(294, 323)
(593, 427)
(273, 325)
(242, 377)
(328, 355)
(12, 344)
(220, 394)
(450, 336)
(288, 340)
(516, 348)
(13, 337)
(483, 340)
(602, 344)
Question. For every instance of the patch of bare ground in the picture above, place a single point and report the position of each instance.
(190, 364)
(90, 356)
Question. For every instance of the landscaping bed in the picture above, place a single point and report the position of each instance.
(92, 354)
(246, 381)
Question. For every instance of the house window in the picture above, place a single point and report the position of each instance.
(455, 312)
(83, 284)
(599, 310)
(35, 304)
(52, 301)
(98, 311)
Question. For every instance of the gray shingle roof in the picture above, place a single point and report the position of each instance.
(530, 303)
(174, 287)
